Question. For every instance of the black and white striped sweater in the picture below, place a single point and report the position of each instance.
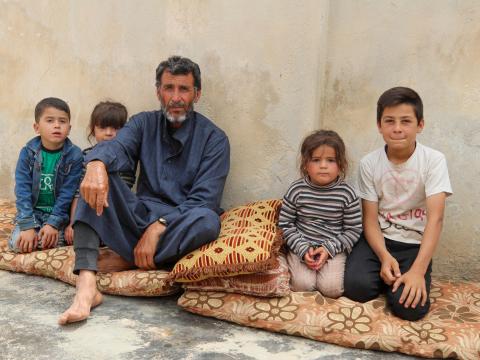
(313, 216)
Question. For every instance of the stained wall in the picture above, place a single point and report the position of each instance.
(272, 71)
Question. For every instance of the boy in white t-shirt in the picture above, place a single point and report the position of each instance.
(403, 187)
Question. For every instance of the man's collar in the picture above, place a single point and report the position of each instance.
(182, 133)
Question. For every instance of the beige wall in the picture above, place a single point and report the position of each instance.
(433, 47)
(272, 72)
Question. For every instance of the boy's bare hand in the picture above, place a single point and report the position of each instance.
(27, 241)
(49, 236)
(94, 187)
(146, 247)
(414, 289)
(390, 270)
(69, 234)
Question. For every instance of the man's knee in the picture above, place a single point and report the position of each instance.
(207, 222)
(399, 310)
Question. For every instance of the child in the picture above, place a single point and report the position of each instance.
(320, 216)
(403, 187)
(107, 117)
(46, 177)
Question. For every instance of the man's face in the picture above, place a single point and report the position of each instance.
(177, 95)
(53, 128)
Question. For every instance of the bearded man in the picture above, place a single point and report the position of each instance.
(184, 161)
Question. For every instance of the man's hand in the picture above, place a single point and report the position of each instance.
(49, 236)
(146, 247)
(390, 270)
(316, 258)
(414, 289)
(69, 234)
(94, 187)
(27, 241)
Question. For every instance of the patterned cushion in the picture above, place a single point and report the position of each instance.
(450, 329)
(58, 264)
(248, 243)
(271, 283)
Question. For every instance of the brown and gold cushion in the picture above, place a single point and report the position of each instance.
(58, 264)
(271, 283)
(450, 329)
(248, 243)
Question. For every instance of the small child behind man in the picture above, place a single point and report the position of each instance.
(106, 120)
(403, 187)
(46, 178)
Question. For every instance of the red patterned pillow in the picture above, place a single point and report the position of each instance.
(249, 242)
(271, 283)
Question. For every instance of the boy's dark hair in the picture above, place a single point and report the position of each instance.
(177, 65)
(319, 138)
(400, 95)
(105, 114)
(50, 102)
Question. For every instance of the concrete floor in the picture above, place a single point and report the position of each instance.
(137, 328)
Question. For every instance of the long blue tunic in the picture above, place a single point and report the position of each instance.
(182, 176)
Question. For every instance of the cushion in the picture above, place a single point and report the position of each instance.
(248, 243)
(271, 283)
(450, 329)
(58, 264)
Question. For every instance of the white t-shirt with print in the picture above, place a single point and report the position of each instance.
(401, 190)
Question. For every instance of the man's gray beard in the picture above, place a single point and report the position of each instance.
(178, 120)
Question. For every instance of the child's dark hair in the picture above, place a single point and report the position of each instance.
(105, 114)
(400, 95)
(50, 102)
(319, 138)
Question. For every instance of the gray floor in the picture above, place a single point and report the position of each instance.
(136, 328)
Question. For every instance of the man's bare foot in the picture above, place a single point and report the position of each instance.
(86, 298)
(110, 261)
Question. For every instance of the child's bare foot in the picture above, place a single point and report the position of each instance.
(110, 261)
(86, 298)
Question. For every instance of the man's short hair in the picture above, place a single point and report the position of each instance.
(400, 95)
(177, 65)
(56, 103)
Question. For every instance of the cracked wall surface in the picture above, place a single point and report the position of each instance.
(272, 72)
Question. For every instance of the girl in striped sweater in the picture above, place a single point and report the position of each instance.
(320, 216)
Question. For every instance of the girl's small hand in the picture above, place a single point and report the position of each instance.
(320, 256)
(308, 258)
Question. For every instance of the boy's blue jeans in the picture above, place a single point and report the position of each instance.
(40, 218)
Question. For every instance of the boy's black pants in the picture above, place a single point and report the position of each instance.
(363, 282)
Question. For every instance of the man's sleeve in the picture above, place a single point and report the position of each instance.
(120, 153)
(207, 188)
(23, 193)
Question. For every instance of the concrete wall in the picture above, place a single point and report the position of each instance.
(272, 72)
(433, 47)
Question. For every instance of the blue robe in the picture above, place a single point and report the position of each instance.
(181, 179)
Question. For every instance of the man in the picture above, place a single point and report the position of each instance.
(184, 162)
